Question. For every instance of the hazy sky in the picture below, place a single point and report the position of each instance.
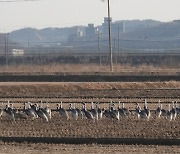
(63, 13)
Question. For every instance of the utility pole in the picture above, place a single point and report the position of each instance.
(29, 44)
(6, 35)
(7, 49)
(99, 50)
(110, 38)
(118, 40)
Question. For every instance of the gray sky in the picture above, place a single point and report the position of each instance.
(65, 13)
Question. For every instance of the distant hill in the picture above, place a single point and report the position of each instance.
(39, 37)
(164, 35)
(134, 25)
(136, 34)
(163, 31)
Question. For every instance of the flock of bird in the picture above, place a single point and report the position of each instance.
(95, 113)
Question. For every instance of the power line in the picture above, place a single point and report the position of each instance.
(12, 1)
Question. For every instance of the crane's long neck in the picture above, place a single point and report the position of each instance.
(92, 105)
(123, 105)
(60, 105)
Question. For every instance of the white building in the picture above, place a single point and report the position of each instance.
(17, 52)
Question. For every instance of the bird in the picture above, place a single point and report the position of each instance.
(169, 114)
(100, 111)
(33, 106)
(63, 112)
(1, 110)
(121, 111)
(40, 113)
(80, 114)
(87, 114)
(138, 110)
(73, 111)
(124, 112)
(29, 111)
(107, 111)
(163, 112)
(114, 113)
(147, 110)
(159, 109)
(94, 111)
(9, 111)
(18, 114)
(142, 113)
(46, 110)
(177, 108)
(173, 111)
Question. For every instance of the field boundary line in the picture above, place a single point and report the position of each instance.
(126, 141)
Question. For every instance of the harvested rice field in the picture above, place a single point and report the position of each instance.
(125, 127)
(31, 148)
(129, 127)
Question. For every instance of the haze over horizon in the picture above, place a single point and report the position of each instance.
(16, 14)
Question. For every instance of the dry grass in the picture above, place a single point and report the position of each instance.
(88, 68)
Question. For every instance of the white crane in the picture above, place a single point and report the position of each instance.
(159, 109)
(41, 114)
(18, 114)
(169, 113)
(46, 110)
(100, 111)
(173, 111)
(138, 110)
(87, 114)
(63, 112)
(73, 111)
(94, 111)
(107, 111)
(147, 110)
(9, 111)
(80, 114)
(29, 111)
(1, 110)
(114, 113)
(164, 112)
(144, 114)
(177, 108)
(124, 112)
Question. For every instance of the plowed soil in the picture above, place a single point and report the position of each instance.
(28, 148)
(90, 89)
(58, 127)
(129, 127)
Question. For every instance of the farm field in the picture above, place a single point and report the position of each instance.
(123, 69)
(129, 127)
(89, 89)
(103, 92)
(30, 148)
